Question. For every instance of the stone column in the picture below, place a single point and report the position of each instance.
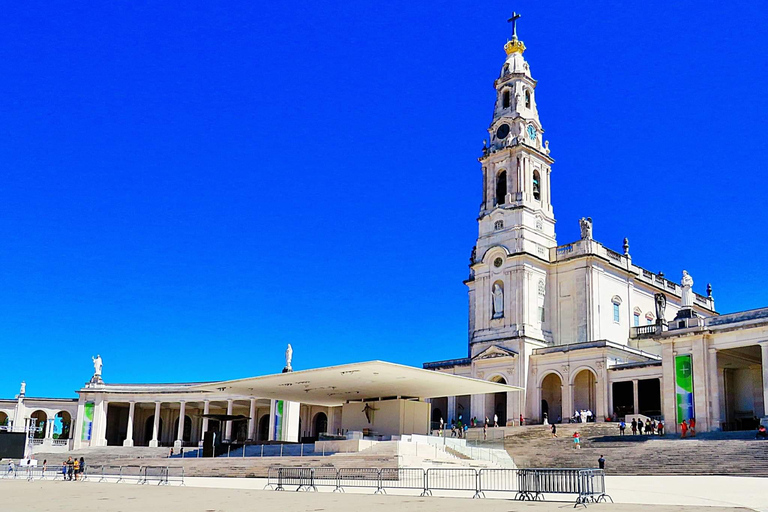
(129, 433)
(206, 410)
(566, 396)
(49, 428)
(155, 427)
(252, 421)
(714, 390)
(332, 420)
(635, 397)
(228, 428)
(100, 418)
(451, 409)
(76, 425)
(764, 350)
(180, 431)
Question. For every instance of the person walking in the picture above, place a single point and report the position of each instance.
(634, 426)
(554, 430)
(692, 427)
(577, 440)
(601, 462)
(485, 432)
(648, 428)
(82, 467)
(622, 427)
(70, 469)
(660, 428)
(653, 426)
(683, 429)
(76, 468)
(521, 420)
(495, 420)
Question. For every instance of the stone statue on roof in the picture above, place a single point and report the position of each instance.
(97, 365)
(687, 283)
(585, 224)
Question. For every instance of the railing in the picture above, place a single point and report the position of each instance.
(642, 330)
(527, 484)
(161, 475)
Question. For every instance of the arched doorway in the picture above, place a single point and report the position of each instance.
(552, 398)
(41, 423)
(496, 405)
(584, 391)
(148, 427)
(3, 419)
(62, 424)
(319, 424)
(187, 434)
(263, 433)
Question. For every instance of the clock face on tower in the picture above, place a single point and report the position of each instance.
(531, 132)
(502, 131)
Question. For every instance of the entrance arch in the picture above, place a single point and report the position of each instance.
(3, 419)
(61, 425)
(263, 433)
(187, 434)
(585, 391)
(42, 424)
(496, 404)
(552, 398)
(319, 424)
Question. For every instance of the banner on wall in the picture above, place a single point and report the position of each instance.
(278, 432)
(87, 421)
(684, 387)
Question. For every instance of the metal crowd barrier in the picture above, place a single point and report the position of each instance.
(300, 477)
(149, 474)
(453, 479)
(527, 484)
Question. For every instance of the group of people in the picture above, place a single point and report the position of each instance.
(70, 468)
(582, 416)
(688, 426)
(650, 427)
(459, 428)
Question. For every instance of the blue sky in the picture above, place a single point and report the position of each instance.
(186, 188)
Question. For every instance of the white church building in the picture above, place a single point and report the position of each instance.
(580, 326)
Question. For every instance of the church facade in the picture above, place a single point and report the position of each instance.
(580, 326)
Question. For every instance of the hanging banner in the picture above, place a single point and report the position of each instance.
(684, 387)
(87, 421)
(278, 432)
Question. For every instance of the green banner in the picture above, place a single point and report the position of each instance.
(87, 421)
(278, 432)
(684, 387)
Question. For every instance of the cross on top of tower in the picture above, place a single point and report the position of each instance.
(513, 21)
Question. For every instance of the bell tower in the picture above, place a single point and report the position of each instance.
(516, 225)
(516, 210)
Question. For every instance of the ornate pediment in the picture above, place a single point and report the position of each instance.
(495, 351)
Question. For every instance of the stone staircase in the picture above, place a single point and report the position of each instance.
(716, 453)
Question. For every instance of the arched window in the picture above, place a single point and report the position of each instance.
(501, 187)
(505, 99)
(536, 185)
(616, 300)
(527, 99)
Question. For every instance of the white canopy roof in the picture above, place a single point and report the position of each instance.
(335, 385)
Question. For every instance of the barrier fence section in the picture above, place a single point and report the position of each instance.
(300, 477)
(527, 484)
(152, 474)
(452, 479)
(357, 477)
(403, 478)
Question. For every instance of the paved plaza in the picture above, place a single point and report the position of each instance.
(656, 494)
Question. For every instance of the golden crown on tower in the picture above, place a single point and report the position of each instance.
(514, 46)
